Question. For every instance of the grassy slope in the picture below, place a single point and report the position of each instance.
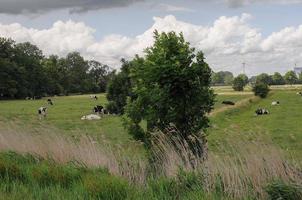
(283, 124)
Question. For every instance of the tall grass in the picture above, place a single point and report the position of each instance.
(239, 170)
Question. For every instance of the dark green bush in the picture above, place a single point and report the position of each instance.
(278, 190)
(261, 89)
(106, 187)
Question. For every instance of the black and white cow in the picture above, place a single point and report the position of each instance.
(262, 111)
(49, 101)
(42, 112)
(299, 93)
(228, 103)
(98, 109)
(275, 103)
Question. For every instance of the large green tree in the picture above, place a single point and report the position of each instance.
(171, 88)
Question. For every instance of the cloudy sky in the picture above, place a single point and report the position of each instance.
(265, 34)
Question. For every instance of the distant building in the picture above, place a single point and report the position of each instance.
(298, 70)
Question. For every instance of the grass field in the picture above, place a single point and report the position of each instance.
(282, 125)
(246, 152)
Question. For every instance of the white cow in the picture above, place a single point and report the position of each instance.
(91, 117)
(275, 103)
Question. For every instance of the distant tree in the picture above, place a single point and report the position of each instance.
(119, 89)
(172, 87)
(100, 75)
(244, 78)
(239, 83)
(261, 89)
(300, 78)
(277, 79)
(264, 78)
(291, 78)
(222, 78)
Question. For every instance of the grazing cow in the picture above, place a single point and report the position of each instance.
(299, 93)
(98, 109)
(95, 98)
(90, 117)
(228, 103)
(261, 111)
(42, 111)
(275, 103)
(49, 101)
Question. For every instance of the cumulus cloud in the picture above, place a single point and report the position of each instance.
(227, 43)
(36, 6)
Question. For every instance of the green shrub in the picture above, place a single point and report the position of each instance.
(106, 187)
(278, 190)
(261, 89)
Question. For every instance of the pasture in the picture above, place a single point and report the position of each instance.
(227, 122)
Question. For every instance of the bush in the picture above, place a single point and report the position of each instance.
(261, 89)
(239, 83)
(106, 187)
(280, 190)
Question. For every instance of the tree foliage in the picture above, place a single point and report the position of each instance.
(119, 89)
(291, 77)
(26, 72)
(222, 78)
(277, 79)
(240, 82)
(171, 88)
(264, 78)
(261, 89)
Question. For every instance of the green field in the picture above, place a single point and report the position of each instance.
(283, 124)
(43, 179)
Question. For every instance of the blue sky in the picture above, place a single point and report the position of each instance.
(123, 23)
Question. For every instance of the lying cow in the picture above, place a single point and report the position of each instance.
(275, 103)
(93, 97)
(49, 101)
(91, 117)
(228, 103)
(42, 112)
(262, 111)
(299, 93)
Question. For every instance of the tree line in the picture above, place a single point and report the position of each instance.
(26, 72)
(227, 78)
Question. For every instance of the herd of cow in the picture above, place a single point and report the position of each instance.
(259, 111)
(97, 110)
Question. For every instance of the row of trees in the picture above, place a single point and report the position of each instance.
(26, 72)
(227, 78)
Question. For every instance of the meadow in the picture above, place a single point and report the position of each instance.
(249, 156)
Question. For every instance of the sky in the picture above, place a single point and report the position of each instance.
(264, 34)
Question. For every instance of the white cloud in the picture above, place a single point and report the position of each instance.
(227, 43)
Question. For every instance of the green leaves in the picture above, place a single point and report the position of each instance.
(171, 86)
